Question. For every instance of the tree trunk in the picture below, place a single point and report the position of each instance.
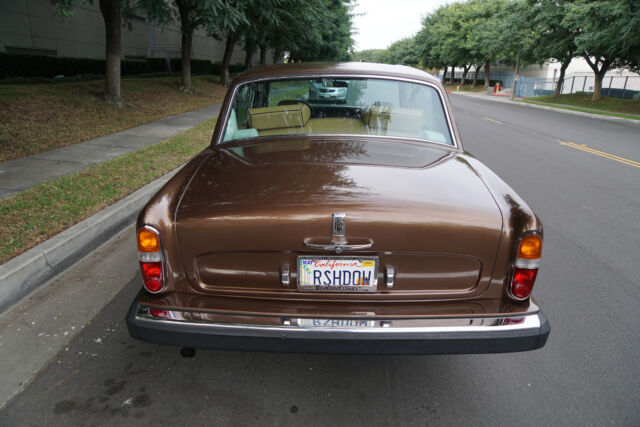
(563, 68)
(248, 59)
(464, 74)
(249, 49)
(187, 38)
(226, 59)
(187, 26)
(277, 56)
(475, 75)
(600, 67)
(444, 75)
(597, 86)
(111, 15)
(487, 74)
(453, 73)
(263, 55)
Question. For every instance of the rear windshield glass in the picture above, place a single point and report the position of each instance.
(337, 106)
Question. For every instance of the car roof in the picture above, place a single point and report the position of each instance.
(336, 69)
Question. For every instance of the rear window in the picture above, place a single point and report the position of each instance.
(337, 106)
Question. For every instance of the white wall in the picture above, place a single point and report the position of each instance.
(33, 24)
(579, 67)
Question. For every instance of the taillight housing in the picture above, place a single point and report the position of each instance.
(526, 266)
(150, 258)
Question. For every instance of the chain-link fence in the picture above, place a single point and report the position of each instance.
(615, 86)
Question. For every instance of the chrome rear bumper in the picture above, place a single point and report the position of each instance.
(399, 336)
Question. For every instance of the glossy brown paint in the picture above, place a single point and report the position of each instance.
(235, 213)
(232, 216)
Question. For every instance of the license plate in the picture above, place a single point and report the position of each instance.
(337, 274)
(336, 323)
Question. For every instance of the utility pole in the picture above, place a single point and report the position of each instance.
(515, 78)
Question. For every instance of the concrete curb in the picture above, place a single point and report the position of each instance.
(554, 109)
(27, 272)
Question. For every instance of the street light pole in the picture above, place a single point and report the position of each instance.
(515, 78)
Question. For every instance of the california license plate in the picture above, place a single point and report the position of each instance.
(337, 274)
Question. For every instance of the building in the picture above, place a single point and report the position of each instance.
(32, 26)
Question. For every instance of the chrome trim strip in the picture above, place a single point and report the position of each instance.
(149, 256)
(385, 329)
(285, 276)
(224, 114)
(337, 247)
(390, 274)
(529, 264)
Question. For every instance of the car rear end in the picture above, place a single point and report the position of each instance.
(371, 273)
(339, 243)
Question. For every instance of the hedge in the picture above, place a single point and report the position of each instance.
(201, 66)
(24, 65)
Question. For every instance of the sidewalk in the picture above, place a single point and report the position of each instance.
(507, 100)
(20, 174)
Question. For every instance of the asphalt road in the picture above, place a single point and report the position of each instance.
(588, 373)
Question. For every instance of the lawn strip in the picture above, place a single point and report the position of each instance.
(41, 117)
(582, 110)
(46, 209)
(608, 106)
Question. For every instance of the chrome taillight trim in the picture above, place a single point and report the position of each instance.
(526, 263)
(149, 256)
(529, 264)
(153, 257)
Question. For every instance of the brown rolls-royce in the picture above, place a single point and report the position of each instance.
(336, 211)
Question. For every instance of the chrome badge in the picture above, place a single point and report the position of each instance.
(339, 225)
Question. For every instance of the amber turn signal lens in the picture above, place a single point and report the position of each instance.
(148, 241)
(530, 247)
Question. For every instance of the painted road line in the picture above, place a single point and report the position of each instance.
(493, 121)
(601, 153)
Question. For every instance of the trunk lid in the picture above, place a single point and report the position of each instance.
(249, 208)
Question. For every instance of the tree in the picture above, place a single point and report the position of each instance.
(371, 55)
(485, 34)
(192, 14)
(264, 19)
(428, 43)
(552, 38)
(112, 14)
(609, 35)
(229, 24)
(318, 30)
(402, 52)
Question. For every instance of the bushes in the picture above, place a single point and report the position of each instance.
(20, 65)
(14, 65)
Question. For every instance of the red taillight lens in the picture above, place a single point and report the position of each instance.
(156, 312)
(152, 275)
(522, 282)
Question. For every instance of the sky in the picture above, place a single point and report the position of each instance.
(385, 21)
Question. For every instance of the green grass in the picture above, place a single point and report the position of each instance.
(608, 106)
(44, 210)
(40, 117)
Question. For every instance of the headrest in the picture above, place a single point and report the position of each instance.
(281, 116)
